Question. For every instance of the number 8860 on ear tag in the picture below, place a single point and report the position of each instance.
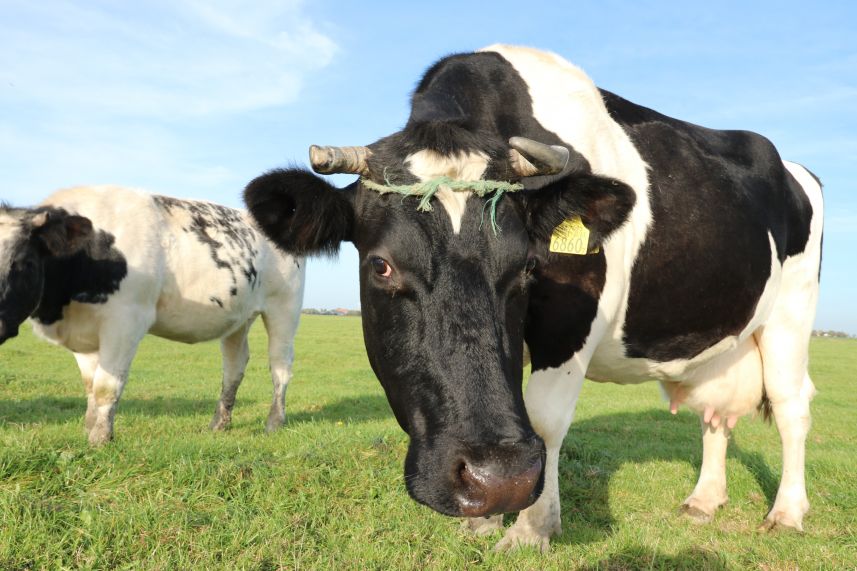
(570, 237)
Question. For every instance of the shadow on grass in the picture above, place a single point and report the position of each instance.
(639, 557)
(59, 410)
(353, 409)
(596, 448)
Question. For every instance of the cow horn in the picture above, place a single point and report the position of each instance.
(531, 158)
(329, 160)
(40, 219)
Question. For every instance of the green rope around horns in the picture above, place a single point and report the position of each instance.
(427, 189)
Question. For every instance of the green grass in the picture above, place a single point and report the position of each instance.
(327, 492)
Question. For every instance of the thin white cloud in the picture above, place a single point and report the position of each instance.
(143, 92)
(170, 59)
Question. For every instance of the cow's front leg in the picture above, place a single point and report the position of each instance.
(88, 364)
(551, 398)
(710, 491)
(118, 345)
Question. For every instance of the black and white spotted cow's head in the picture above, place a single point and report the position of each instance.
(27, 238)
(444, 297)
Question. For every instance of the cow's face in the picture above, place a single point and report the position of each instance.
(444, 302)
(27, 237)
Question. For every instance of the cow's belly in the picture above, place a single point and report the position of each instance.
(207, 292)
(726, 378)
(191, 316)
(609, 363)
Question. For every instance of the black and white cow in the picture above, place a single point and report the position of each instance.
(96, 268)
(641, 247)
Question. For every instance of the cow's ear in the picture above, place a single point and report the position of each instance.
(603, 205)
(300, 212)
(60, 233)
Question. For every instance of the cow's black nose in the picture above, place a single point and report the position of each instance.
(485, 490)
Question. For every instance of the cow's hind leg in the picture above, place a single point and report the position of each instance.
(281, 323)
(88, 364)
(790, 390)
(551, 399)
(236, 353)
(784, 344)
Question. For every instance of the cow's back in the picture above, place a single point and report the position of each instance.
(201, 268)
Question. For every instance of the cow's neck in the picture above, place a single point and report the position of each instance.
(89, 276)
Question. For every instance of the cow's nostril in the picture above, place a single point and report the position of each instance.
(485, 490)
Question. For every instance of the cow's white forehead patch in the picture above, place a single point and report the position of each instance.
(426, 165)
(10, 230)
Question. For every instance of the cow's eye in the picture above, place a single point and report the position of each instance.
(381, 267)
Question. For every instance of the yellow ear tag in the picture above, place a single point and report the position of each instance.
(571, 237)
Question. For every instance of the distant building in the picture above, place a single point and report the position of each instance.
(341, 311)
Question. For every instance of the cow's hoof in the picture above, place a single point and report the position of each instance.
(779, 521)
(220, 423)
(517, 538)
(696, 514)
(274, 423)
(481, 526)
(99, 436)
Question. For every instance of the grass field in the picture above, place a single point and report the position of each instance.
(327, 492)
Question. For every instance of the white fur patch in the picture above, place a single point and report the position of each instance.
(567, 102)
(10, 228)
(426, 165)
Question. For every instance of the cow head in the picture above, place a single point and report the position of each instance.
(27, 238)
(444, 293)
(444, 314)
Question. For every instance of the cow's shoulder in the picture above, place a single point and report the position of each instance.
(96, 271)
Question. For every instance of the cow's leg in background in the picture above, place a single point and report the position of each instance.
(281, 322)
(710, 491)
(483, 525)
(720, 391)
(235, 351)
(118, 342)
(88, 363)
(551, 399)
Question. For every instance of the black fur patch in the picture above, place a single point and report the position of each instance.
(231, 242)
(88, 276)
(467, 103)
(21, 281)
(715, 196)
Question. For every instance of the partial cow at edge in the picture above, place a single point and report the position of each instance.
(698, 266)
(96, 268)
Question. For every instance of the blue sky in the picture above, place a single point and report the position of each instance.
(194, 98)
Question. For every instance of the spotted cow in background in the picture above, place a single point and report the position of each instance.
(96, 268)
(640, 247)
